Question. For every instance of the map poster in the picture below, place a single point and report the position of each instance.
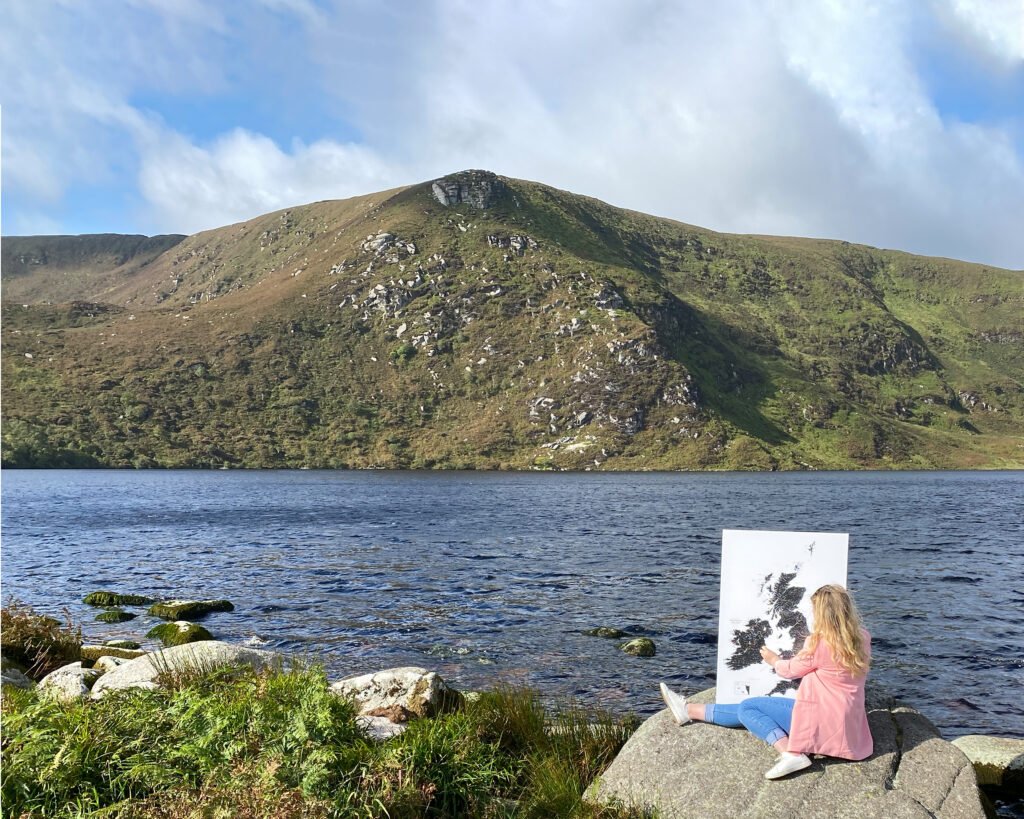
(767, 582)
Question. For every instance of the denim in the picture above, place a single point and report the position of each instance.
(766, 717)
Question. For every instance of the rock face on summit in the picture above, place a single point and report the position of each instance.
(709, 771)
(479, 189)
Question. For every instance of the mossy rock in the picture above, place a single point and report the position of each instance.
(605, 631)
(115, 616)
(91, 654)
(109, 598)
(188, 609)
(121, 644)
(640, 647)
(178, 633)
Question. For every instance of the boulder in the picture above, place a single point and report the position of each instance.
(417, 690)
(121, 644)
(13, 676)
(640, 647)
(188, 609)
(178, 633)
(998, 761)
(105, 664)
(90, 654)
(379, 729)
(143, 671)
(709, 771)
(605, 631)
(109, 598)
(115, 616)
(69, 682)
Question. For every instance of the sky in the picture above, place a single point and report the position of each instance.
(893, 123)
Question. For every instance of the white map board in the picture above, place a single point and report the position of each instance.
(767, 582)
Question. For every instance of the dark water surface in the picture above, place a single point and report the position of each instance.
(492, 576)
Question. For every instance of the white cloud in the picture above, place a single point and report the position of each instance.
(242, 175)
(996, 25)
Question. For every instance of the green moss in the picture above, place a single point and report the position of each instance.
(115, 616)
(91, 654)
(178, 633)
(605, 631)
(187, 609)
(122, 644)
(640, 647)
(109, 598)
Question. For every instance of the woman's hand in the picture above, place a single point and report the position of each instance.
(769, 656)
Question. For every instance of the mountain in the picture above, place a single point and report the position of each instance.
(478, 321)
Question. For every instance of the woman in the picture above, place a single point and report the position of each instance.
(827, 716)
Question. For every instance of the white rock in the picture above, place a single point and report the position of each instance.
(380, 729)
(420, 691)
(105, 664)
(401, 329)
(68, 683)
(205, 654)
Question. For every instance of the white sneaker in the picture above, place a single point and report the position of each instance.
(676, 704)
(788, 763)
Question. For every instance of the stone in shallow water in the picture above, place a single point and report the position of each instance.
(115, 616)
(640, 647)
(109, 598)
(998, 761)
(188, 609)
(179, 633)
(121, 644)
(607, 632)
(709, 771)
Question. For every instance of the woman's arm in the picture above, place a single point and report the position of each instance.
(798, 666)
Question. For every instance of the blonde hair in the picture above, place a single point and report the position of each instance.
(837, 621)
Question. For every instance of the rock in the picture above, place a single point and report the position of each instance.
(105, 664)
(178, 633)
(109, 598)
(379, 729)
(709, 771)
(121, 644)
(605, 631)
(115, 616)
(142, 672)
(640, 647)
(90, 654)
(417, 690)
(998, 761)
(69, 682)
(14, 677)
(479, 189)
(395, 713)
(188, 609)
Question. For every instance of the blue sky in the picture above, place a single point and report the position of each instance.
(898, 124)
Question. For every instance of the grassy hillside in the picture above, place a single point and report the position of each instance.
(486, 322)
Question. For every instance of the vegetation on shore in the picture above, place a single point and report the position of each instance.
(544, 331)
(237, 742)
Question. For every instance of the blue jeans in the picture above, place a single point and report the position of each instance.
(766, 717)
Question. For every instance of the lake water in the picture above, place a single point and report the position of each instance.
(488, 577)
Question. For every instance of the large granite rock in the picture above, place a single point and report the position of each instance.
(998, 761)
(421, 692)
(709, 771)
(143, 671)
(479, 189)
(69, 682)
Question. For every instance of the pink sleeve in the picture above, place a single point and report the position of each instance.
(797, 666)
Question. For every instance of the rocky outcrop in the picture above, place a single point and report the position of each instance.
(998, 761)
(68, 683)
(143, 672)
(708, 771)
(479, 189)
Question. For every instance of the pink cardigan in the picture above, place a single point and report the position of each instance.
(828, 716)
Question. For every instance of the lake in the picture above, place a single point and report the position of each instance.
(492, 577)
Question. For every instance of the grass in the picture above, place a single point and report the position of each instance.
(36, 642)
(278, 743)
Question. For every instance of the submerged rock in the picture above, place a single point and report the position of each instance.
(115, 616)
(997, 761)
(203, 656)
(709, 771)
(606, 632)
(109, 598)
(188, 609)
(68, 683)
(415, 689)
(178, 633)
(121, 644)
(640, 647)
